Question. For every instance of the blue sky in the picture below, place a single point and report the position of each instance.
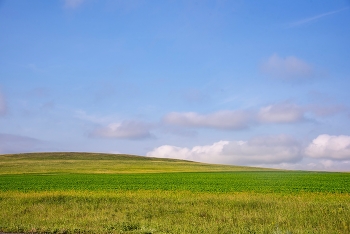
(261, 83)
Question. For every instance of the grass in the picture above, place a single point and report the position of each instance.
(99, 193)
(173, 212)
(93, 163)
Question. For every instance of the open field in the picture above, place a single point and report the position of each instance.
(58, 195)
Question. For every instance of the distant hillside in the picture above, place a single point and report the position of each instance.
(70, 162)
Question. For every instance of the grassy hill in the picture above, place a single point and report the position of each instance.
(104, 163)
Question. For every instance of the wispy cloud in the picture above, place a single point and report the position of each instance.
(326, 110)
(34, 68)
(10, 143)
(131, 130)
(289, 68)
(109, 127)
(227, 119)
(82, 115)
(285, 112)
(73, 3)
(3, 106)
(195, 96)
(314, 18)
(179, 131)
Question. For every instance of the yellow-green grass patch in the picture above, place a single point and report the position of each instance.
(173, 212)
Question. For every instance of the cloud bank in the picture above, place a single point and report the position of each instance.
(271, 149)
(278, 151)
(288, 68)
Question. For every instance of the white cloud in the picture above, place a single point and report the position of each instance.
(124, 130)
(237, 119)
(284, 112)
(289, 68)
(3, 106)
(73, 3)
(197, 153)
(260, 150)
(329, 147)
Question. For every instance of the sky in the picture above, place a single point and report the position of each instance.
(256, 83)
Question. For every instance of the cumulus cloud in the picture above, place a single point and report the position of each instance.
(285, 112)
(3, 106)
(197, 153)
(329, 147)
(10, 143)
(124, 130)
(236, 119)
(289, 68)
(259, 150)
(73, 3)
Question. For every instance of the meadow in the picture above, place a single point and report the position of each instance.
(101, 193)
(93, 163)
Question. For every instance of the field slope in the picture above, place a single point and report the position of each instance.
(107, 193)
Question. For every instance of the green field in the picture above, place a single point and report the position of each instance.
(103, 193)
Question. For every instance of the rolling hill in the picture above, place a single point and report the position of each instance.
(73, 162)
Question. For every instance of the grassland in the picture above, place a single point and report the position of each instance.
(96, 193)
(93, 163)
